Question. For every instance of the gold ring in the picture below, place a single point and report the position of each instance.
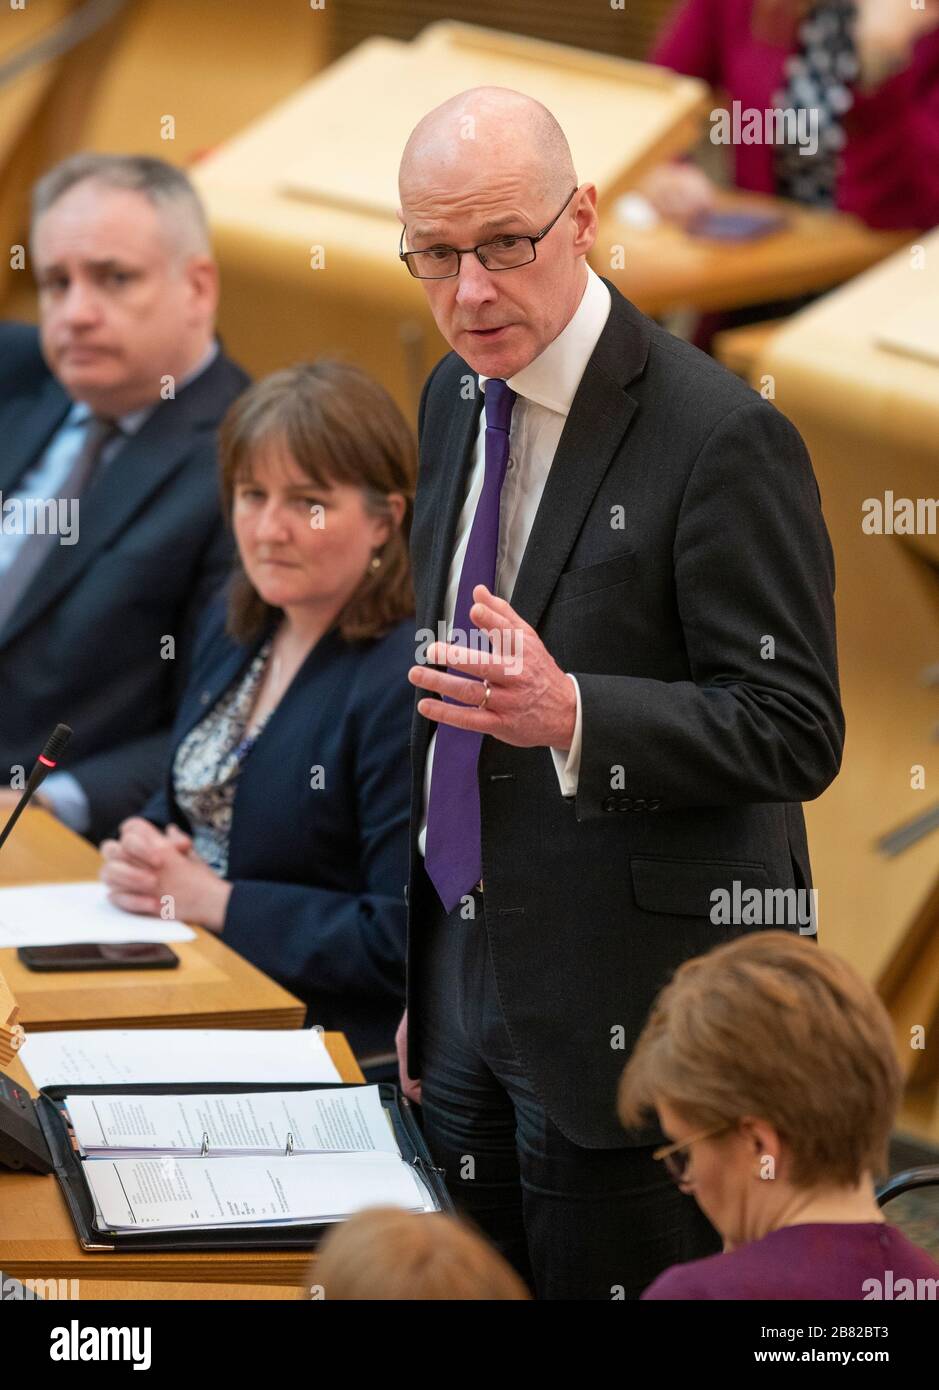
(485, 700)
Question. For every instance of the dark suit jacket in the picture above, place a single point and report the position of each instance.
(679, 528)
(318, 874)
(84, 644)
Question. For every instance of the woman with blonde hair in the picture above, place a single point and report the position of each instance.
(385, 1253)
(771, 1065)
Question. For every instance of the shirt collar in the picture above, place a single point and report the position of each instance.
(134, 419)
(552, 378)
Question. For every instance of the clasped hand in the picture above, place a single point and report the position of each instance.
(157, 872)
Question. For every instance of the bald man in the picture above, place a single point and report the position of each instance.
(621, 549)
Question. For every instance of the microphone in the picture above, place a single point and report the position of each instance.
(47, 760)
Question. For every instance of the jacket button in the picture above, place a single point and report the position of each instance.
(610, 804)
(205, 697)
(405, 890)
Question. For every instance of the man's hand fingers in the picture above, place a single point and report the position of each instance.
(467, 692)
(481, 721)
(493, 665)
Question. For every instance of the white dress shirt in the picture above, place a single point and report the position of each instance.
(545, 390)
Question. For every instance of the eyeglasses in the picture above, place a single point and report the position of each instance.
(676, 1156)
(504, 253)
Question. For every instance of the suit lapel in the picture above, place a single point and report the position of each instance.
(158, 449)
(453, 467)
(593, 435)
(26, 426)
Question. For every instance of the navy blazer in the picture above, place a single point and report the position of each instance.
(87, 644)
(318, 873)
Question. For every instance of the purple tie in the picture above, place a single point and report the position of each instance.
(453, 852)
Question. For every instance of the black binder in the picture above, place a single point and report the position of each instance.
(68, 1167)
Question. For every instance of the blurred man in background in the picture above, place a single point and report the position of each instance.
(111, 536)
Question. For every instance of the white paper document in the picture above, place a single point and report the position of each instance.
(62, 914)
(342, 1121)
(105, 1057)
(181, 1193)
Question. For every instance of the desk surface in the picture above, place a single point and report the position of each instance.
(212, 987)
(869, 414)
(663, 268)
(37, 1239)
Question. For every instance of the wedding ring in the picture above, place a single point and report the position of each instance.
(485, 700)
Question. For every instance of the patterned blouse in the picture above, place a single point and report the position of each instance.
(208, 763)
(818, 78)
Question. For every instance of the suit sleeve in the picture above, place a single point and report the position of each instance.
(320, 941)
(119, 781)
(760, 719)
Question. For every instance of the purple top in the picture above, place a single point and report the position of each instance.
(890, 176)
(820, 1260)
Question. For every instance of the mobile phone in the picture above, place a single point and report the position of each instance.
(90, 955)
(736, 226)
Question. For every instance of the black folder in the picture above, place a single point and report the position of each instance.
(68, 1166)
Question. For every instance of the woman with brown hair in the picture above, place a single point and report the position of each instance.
(283, 823)
(771, 1065)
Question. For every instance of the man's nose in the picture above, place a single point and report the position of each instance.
(81, 304)
(474, 284)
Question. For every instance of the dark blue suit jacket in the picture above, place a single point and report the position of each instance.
(85, 644)
(318, 874)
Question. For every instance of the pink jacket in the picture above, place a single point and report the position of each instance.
(890, 174)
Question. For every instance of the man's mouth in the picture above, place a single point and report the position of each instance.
(488, 332)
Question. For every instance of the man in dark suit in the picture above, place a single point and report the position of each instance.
(640, 535)
(112, 539)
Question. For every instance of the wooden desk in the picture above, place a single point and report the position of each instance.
(134, 1290)
(212, 987)
(37, 1239)
(870, 417)
(666, 269)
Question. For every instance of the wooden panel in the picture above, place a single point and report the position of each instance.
(627, 32)
(663, 268)
(619, 117)
(870, 418)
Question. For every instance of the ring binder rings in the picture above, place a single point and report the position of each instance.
(68, 1166)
